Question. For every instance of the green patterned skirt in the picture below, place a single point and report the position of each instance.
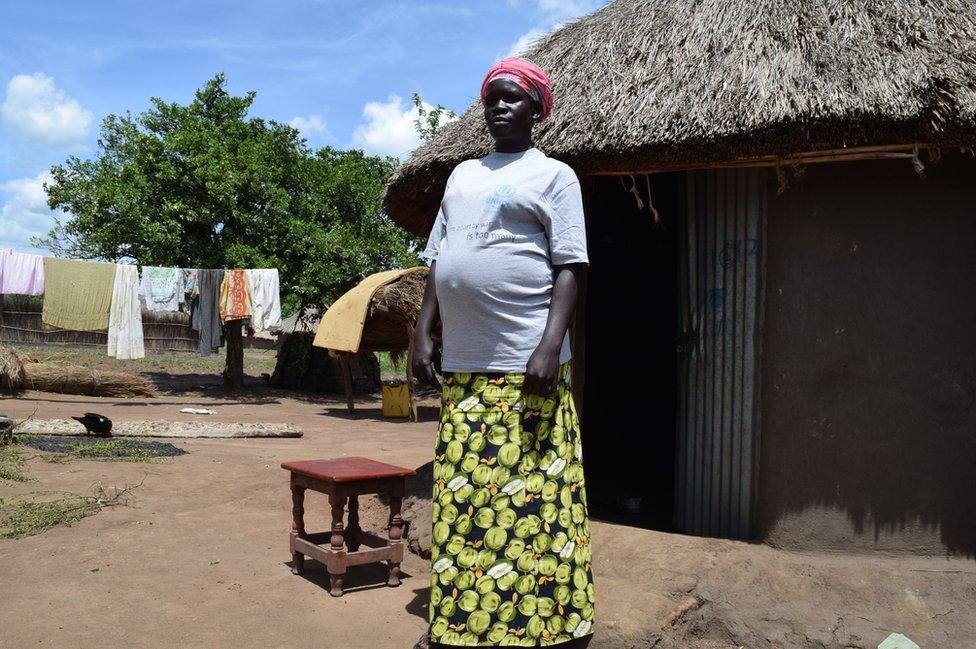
(511, 560)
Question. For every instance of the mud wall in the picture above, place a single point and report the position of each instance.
(300, 366)
(869, 369)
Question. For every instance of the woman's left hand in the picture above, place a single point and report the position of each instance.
(541, 372)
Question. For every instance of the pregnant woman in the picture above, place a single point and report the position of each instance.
(511, 541)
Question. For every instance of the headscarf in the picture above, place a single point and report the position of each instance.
(528, 76)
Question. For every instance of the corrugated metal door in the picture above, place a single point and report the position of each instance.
(721, 321)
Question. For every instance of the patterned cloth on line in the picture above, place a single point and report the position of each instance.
(77, 294)
(125, 337)
(163, 288)
(21, 273)
(511, 560)
(234, 303)
(264, 293)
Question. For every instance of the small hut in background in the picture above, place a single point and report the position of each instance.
(788, 188)
(379, 314)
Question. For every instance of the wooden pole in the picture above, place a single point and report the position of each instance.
(893, 151)
(578, 330)
(234, 364)
(410, 394)
(347, 379)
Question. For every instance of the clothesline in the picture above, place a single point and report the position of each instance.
(86, 295)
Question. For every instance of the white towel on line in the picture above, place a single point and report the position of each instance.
(125, 339)
(264, 292)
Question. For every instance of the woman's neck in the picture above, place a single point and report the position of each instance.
(517, 146)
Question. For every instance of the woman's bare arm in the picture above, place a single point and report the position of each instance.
(423, 344)
(543, 366)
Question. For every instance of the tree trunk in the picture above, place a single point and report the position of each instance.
(234, 367)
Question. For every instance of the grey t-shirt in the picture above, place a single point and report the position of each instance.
(505, 220)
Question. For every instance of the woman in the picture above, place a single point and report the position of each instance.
(511, 548)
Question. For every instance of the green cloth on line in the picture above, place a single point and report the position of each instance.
(77, 294)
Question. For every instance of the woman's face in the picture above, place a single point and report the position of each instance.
(509, 111)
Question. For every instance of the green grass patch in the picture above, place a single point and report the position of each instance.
(113, 449)
(387, 366)
(255, 360)
(12, 465)
(28, 517)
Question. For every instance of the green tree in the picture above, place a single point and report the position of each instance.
(430, 121)
(203, 185)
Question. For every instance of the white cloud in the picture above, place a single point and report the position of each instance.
(552, 14)
(389, 128)
(25, 212)
(36, 109)
(312, 125)
(556, 11)
(525, 41)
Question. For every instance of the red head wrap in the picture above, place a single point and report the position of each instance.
(528, 76)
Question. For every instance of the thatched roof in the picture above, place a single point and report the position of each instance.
(647, 82)
(377, 314)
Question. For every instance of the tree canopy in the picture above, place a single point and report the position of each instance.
(203, 185)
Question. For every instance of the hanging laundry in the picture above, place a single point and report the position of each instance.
(163, 288)
(234, 303)
(205, 313)
(21, 273)
(265, 295)
(77, 294)
(125, 338)
(190, 287)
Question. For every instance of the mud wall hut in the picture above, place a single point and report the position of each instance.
(775, 339)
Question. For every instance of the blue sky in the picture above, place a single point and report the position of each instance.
(341, 71)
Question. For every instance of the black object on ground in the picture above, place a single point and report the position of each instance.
(122, 449)
(96, 424)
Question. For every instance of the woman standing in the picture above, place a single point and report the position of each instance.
(511, 547)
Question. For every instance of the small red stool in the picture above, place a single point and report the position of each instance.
(345, 479)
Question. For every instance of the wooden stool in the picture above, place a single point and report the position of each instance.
(345, 479)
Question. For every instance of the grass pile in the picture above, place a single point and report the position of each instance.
(12, 375)
(30, 516)
(53, 375)
(39, 512)
(12, 465)
(70, 379)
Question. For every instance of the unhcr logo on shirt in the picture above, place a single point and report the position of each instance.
(499, 196)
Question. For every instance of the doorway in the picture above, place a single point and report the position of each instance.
(630, 389)
(672, 334)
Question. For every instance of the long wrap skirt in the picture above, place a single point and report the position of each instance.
(510, 560)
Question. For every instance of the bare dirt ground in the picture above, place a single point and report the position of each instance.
(200, 559)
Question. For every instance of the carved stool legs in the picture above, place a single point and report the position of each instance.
(346, 543)
(298, 526)
(396, 532)
(353, 530)
(338, 505)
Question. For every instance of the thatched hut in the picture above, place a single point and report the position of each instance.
(775, 337)
(378, 314)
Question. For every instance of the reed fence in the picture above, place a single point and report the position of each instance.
(20, 322)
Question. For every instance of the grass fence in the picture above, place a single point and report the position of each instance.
(20, 323)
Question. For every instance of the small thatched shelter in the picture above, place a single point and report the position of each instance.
(378, 314)
(779, 215)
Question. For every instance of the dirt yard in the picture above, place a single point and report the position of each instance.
(199, 558)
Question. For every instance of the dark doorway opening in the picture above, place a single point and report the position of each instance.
(631, 325)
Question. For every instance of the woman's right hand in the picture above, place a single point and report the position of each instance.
(423, 356)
